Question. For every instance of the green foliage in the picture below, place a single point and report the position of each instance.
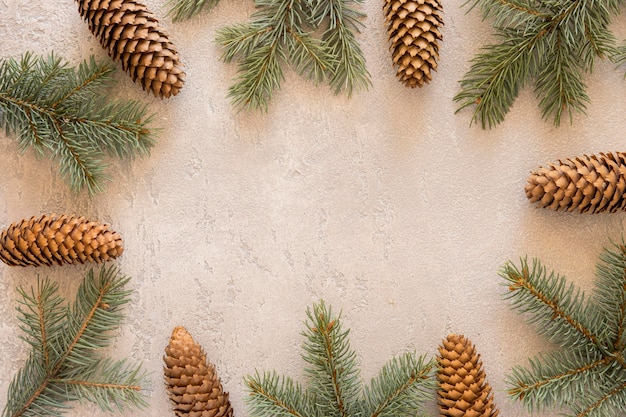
(64, 111)
(64, 364)
(588, 373)
(281, 33)
(551, 43)
(335, 388)
(186, 9)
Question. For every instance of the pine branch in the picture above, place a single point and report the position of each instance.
(66, 367)
(401, 387)
(334, 388)
(557, 309)
(275, 37)
(271, 395)
(280, 34)
(56, 109)
(349, 72)
(186, 9)
(551, 43)
(610, 295)
(611, 403)
(557, 379)
(42, 313)
(588, 374)
(496, 77)
(334, 376)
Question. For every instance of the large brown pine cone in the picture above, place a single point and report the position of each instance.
(131, 34)
(191, 381)
(52, 239)
(413, 29)
(589, 184)
(463, 391)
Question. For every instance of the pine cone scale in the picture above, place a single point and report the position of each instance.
(191, 381)
(591, 184)
(129, 33)
(463, 391)
(413, 29)
(47, 240)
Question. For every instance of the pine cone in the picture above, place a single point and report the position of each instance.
(47, 240)
(463, 391)
(413, 28)
(130, 33)
(195, 389)
(589, 184)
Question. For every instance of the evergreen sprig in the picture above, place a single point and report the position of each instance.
(63, 111)
(282, 33)
(64, 364)
(335, 387)
(588, 373)
(186, 9)
(550, 43)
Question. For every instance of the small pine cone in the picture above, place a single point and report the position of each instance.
(413, 28)
(130, 33)
(463, 391)
(53, 239)
(589, 184)
(191, 381)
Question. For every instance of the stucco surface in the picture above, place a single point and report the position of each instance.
(388, 206)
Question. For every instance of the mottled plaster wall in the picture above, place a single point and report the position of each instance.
(387, 205)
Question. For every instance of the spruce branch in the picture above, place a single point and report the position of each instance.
(335, 388)
(186, 9)
(276, 35)
(552, 44)
(63, 111)
(281, 34)
(349, 72)
(588, 373)
(64, 364)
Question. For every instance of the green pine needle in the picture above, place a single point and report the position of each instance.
(335, 388)
(281, 34)
(186, 9)
(64, 364)
(552, 44)
(63, 111)
(588, 373)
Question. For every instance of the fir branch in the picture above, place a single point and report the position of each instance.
(610, 295)
(271, 394)
(335, 389)
(556, 379)
(349, 72)
(186, 9)
(588, 374)
(56, 109)
(42, 313)
(401, 387)
(333, 372)
(611, 403)
(69, 368)
(496, 77)
(556, 308)
(275, 36)
(551, 43)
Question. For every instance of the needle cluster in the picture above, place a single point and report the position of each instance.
(588, 373)
(64, 112)
(64, 363)
(549, 43)
(335, 388)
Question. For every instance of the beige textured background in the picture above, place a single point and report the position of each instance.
(388, 206)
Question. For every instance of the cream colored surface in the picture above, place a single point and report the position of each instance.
(387, 205)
